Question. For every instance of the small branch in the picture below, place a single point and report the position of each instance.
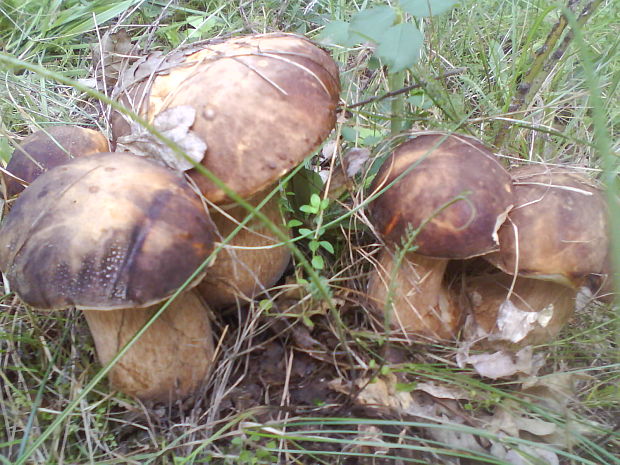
(403, 90)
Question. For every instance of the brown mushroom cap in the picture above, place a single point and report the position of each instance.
(263, 103)
(443, 167)
(47, 148)
(562, 228)
(95, 233)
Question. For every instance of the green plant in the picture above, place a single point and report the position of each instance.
(396, 37)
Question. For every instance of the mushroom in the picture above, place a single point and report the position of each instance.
(47, 148)
(555, 238)
(252, 261)
(558, 230)
(116, 235)
(262, 104)
(446, 195)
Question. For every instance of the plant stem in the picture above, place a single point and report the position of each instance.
(543, 60)
(397, 81)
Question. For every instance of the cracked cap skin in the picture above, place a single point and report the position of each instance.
(104, 232)
(451, 185)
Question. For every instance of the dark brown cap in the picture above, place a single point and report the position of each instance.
(107, 231)
(263, 103)
(558, 229)
(47, 148)
(436, 169)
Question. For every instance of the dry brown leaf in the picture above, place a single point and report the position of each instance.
(175, 124)
(112, 55)
(443, 391)
(355, 159)
(380, 392)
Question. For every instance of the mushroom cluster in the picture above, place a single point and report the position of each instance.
(444, 197)
(117, 234)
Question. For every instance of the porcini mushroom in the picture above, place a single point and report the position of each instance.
(47, 148)
(558, 230)
(115, 235)
(555, 237)
(448, 198)
(262, 104)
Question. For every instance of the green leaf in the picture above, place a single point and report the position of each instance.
(309, 209)
(313, 246)
(425, 8)
(327, 246)
(337, 32)
(400, 47)
(349, 133)
(372, 23)
(293, 223)
(305, 232)
(305, 183)
(315, 201)
(421, 101)
(317, 262)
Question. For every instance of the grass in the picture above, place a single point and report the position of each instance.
(259, 406)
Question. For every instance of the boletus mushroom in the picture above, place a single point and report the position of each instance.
(115, 235)
(555, 237)
(446, 195)
(47, 148)
(558, 230)
(262, 104)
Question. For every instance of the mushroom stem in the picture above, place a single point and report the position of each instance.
(249, 263)
(169, 361)
(421, 305)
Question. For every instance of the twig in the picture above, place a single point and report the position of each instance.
(405, 89)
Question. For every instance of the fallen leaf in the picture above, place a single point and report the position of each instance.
(380, 392)
(355, 159)
(514, 324)
(503, 363)
(526, 455)
(175, 124)
(443, 391)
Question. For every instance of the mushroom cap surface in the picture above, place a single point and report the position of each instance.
(51, 147)
(442, 167)
(561, 224)
(104, 232)
(263, 103)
